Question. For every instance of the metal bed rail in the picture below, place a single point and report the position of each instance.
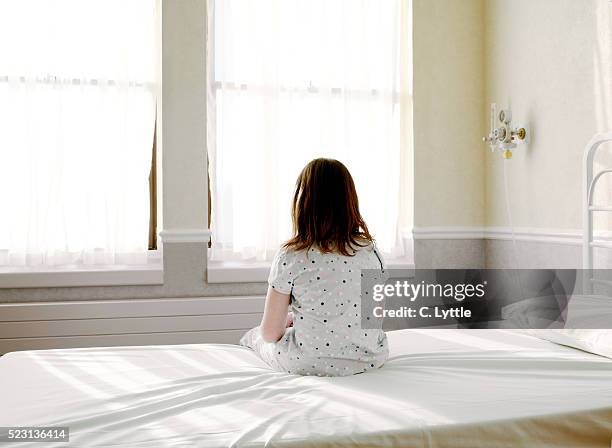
(590, 181)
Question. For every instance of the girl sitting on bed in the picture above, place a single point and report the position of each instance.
(312, 318)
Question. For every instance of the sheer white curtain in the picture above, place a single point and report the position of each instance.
(291, 80)
(77, 112)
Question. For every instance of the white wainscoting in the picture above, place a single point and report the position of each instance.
(49, 325)
(552, 236)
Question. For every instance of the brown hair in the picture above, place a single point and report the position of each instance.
(326, 210)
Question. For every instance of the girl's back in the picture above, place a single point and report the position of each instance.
(325, 289)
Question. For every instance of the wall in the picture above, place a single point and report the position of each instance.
(448, 104)
(551, 61)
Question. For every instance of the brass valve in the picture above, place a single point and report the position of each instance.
(502, 135)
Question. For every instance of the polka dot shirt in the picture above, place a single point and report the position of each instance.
(327, 338)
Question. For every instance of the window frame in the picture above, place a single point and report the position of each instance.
(150, 273)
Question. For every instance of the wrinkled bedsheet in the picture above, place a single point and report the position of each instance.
(459, 388)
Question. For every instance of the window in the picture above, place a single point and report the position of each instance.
(77, 117)
(293, 80)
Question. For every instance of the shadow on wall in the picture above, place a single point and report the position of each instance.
(602, 92)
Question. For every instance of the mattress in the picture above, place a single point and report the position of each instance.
(477, 388)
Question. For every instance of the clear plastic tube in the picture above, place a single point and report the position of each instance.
(509, 214)
(515, 251)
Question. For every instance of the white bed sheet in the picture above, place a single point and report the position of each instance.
(439, 388)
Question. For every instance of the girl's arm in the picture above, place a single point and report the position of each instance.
(274, 320)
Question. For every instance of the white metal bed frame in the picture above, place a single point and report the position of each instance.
(588, 189)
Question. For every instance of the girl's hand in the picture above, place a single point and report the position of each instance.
(289, 320)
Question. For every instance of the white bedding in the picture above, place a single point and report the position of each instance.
(439, 388)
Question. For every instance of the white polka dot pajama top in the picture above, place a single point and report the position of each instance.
(326, 338)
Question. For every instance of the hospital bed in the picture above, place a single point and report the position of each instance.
(479, 388)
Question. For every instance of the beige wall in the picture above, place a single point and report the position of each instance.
(448, 112)
(551, 61)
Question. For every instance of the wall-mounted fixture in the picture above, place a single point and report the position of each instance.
(504, 136)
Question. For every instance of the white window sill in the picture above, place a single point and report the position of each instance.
(66, 276)
(258, 271)
(238, 271)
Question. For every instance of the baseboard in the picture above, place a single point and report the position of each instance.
(46, 325)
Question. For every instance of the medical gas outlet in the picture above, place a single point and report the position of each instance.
(503, 136)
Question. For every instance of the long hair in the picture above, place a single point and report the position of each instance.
(325, 210)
